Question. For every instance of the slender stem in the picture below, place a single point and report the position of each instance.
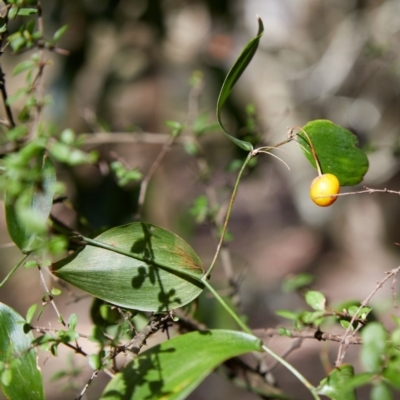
(13, 270)
(226, 306)
(294, 371)
(313, 151)
(228, 215)
(59, 316)
(245, 328)
(145, 182)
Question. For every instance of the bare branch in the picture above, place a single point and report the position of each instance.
(346, 339)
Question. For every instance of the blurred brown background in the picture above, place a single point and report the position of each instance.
(128, 71)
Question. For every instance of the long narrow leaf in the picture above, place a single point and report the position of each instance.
(233, 75)
(173, 369)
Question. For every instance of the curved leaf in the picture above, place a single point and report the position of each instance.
(233, 75)
(20, 360)
(334, 386)
(24, 232)
(336, 149)
(138, 266)
(173, 369)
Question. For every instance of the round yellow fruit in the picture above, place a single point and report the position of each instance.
(322, 188)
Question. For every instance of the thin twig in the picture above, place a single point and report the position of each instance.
(346, 338)
(51, 300)
(99, 138)
(38, 83)
(316, 335)
(91, 379)
(145, 182)
(10, 119)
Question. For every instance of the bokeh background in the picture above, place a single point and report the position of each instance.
(129, 69)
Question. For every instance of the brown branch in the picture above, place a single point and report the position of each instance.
(99, 138)
(315, 334)
(10, 123)
(348, 336)
(367, 190)
(91, 379)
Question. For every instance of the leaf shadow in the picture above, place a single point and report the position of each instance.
(145, 248)
(144, 371)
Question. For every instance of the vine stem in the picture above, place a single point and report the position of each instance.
(245, 328)
(228, 215)
(14, 269)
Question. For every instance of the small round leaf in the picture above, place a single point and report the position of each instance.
(336, 149)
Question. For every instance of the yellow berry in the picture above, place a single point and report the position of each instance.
(322, 188)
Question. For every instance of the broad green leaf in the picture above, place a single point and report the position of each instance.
(21, 232)
(173, 369)
(374, 345)
(336, 149)
(233, 75)
(381, 392)
(143, 267)
(316, 300)
(24, 377)
(333, 385)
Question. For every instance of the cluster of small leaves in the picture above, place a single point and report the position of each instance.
(67, 149)
(317, 301)
(200, 209)
(51, 341)
(124, 174)
(27, 37)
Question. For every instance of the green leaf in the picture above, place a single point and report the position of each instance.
(233, 75)
(15, 350)
(333, 385)
(346, 324)
(336, 149)
(23, 66)
(315, 317)
(39, 207)
(381, 392)
(95, 361)
(296, 282)
(17, 95)
(173, 369)
(55, 291)
(17, 42)
(3, 25)
(316, 300)
(72, 321)
(17, 133)
(26, 12)
(31, 264)
(31, 313)
(140, 266)
(13, 11)
(200, 210)
(59, 33)
(287, 314)
(374, 345)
